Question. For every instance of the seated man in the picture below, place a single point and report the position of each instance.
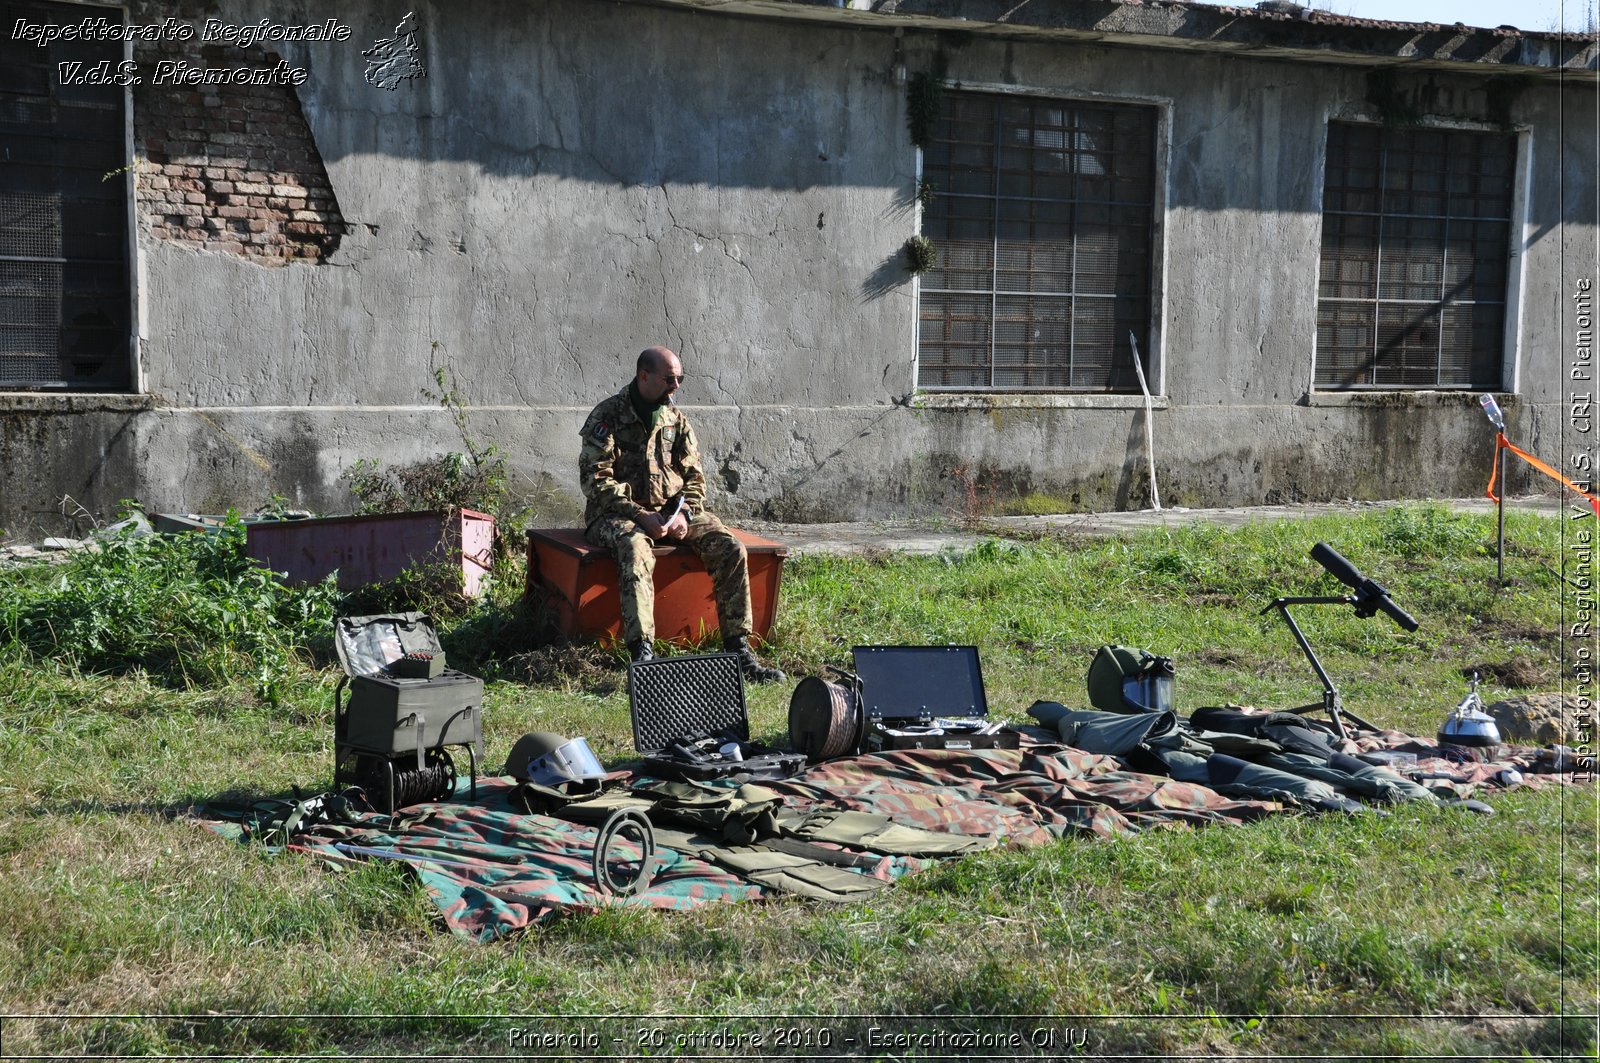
(641, 473)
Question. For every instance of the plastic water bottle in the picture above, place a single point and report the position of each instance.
(1491, 410)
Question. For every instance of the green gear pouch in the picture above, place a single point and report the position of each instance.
(799, 873)
(738, 815)
(796, 874)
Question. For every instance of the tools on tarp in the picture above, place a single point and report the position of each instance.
(555, 774)
(1369, 599)
(898, 697)
(403, 709)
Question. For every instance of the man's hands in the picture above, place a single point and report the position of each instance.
(652, 525)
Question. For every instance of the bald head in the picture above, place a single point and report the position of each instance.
(659, 372)
(651, 358)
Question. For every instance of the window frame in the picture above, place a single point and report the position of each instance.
(1515, 280)
(133, 381)
(1154, 358)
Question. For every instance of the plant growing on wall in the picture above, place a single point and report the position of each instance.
(477, 479)
(921, 254)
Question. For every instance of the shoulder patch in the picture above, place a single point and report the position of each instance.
(601, 431)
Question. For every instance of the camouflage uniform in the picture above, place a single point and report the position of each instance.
(629, 467)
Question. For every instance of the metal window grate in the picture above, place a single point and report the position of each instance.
(30, 224)
(1043, 220)
(65, 313)
(1416, 233)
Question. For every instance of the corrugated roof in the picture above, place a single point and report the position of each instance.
(1289, 12)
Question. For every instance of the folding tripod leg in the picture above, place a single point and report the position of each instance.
(1337, 715)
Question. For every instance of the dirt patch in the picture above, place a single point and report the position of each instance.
(1515, 631)
(1518, 673)
(1217, 658)
(584, 665)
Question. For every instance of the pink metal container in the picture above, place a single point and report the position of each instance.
(373, 549)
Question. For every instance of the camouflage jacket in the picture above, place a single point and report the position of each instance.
(628, 466)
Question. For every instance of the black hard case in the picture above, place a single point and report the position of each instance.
(906, 687)
(672, 698)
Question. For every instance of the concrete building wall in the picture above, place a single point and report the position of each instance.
(574, 180)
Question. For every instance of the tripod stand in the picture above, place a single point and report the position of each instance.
(1369, 598)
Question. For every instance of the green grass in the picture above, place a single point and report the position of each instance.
(1213, 940)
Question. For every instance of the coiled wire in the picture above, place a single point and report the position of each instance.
(434, 781)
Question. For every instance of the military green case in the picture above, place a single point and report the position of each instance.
(389, 715)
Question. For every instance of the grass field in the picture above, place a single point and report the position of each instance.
(1406, 934)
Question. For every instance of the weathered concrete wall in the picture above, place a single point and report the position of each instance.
(574, 180)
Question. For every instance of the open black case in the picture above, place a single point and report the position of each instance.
(924, 697)
(686, 710)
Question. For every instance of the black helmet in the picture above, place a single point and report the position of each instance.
(1126, 679)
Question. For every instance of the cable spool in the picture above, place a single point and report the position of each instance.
(434, 781)
(824, 719)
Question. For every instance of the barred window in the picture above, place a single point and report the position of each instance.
(1416, 231)
(65, 318)
(1043, 220)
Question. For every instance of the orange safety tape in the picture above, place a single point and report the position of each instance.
(1502, 443)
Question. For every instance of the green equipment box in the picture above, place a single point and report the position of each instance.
(394, 717)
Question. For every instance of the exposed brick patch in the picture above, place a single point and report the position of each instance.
(231, 168)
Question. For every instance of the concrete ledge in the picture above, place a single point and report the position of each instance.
(968, 400)
(73, 402)
(1399, 397)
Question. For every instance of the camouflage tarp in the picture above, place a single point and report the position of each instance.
(493, 870)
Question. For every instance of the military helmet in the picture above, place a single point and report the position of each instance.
(552, 760)
(1127, 679)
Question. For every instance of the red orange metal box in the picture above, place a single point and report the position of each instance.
(580, 583)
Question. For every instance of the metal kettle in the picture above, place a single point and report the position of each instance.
(1468, 724)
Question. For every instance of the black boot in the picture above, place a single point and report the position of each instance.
(751, 665)
(640, 652)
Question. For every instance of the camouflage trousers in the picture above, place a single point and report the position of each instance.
(722, 554)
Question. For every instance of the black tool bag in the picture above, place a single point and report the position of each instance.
(689, 721)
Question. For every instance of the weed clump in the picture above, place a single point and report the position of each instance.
(194, 609)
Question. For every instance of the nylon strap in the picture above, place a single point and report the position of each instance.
(1502, 443)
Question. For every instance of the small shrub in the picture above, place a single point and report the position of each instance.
(1429, 531)
(921, 255)
(193, 608)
